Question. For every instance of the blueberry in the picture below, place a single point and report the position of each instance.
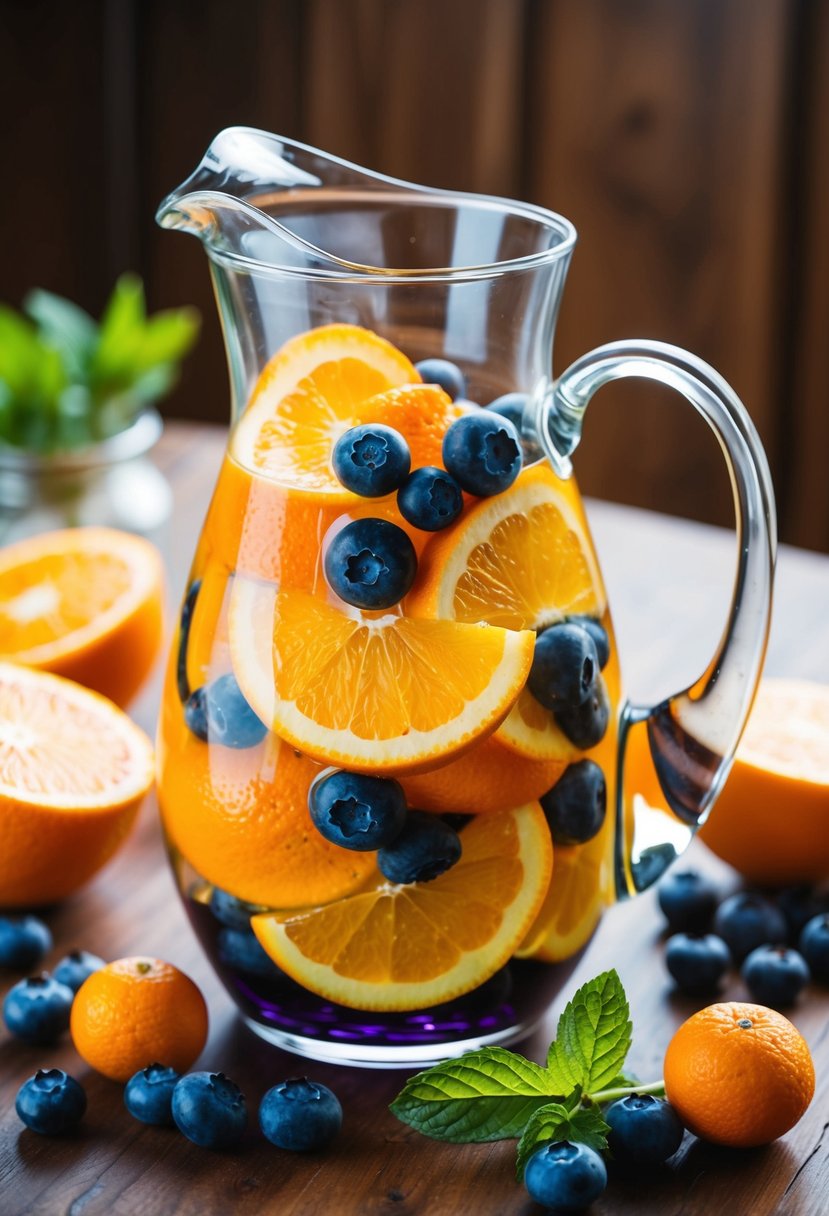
(745, 921)
(598, 633)
(585, 725)
(688, 900)
(187, 610)
(219, 713)
(24, 942)
(50, 1102)
(209, 1109)
(814, 946)
(355, 811)
(37, 1009)
(565, 1177)
(482, 451)
(799, 905)
(241, 950)
(644, 1130)
(300, 1115)
(424, 848)
(148, 1094)
(233, 912)
(371, 460)
(775, 975)
(445, 374)
(511, 406)
(430, 499)
(370, 563)
(697, 962)
(76, 967)
(576, 805)
(565, 667)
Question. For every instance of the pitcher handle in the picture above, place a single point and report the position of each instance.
(692, 735)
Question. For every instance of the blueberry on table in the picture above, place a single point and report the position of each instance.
(814, 946)
(37, 1009)
(148, 1095)
(598, 633)
(482, 451)
(241, 950)
(688, 901)
(424, 848)
(799, 905)
(24, 942)
(370, 563)
(697, 962)
(585, 725)
(644, 1130)
(576, 805)
(371, 460)
(187, 610)
(430, 499)
(511, 406)
(218, 712)
(209, 1109)
(565, 667)
(565, 1177)
(446, 375)
(745, 921)
(50, 1102)
(355, 811)
(775, 975)
(300, 1115)
(76, 967)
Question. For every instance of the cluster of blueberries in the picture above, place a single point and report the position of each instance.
(709, 935)
(297, 1114)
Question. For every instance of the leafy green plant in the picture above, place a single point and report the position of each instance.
(67, 380)
(495, 1094)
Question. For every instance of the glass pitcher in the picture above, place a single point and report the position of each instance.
(398, 777)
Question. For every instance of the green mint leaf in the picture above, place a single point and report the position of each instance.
(555, 1122)
(66, 327)
(487, 1094)
(593, 1036)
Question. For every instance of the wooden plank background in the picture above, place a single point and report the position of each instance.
(685, 138)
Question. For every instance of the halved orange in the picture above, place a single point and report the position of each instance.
(86, 603)
(307, 395)
(408, 947)
(240, 818)
(380, 695)
(573, 905)
(73, 773)
(522, 560)
(771, 821)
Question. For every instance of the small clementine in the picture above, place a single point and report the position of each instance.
(135, 1011)
(739, 1074)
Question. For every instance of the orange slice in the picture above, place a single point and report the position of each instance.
(409, 947)
(240, 818)
(387, 694)
(771, 821)
(422, 413)
(73, 773)
(86, 603)
(520, 560)
(573, 905)
(307, 395)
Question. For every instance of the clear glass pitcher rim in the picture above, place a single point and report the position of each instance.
(171, 214)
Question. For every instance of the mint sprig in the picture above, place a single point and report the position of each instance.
(495, 1094)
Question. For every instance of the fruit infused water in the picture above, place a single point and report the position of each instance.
(388, 736)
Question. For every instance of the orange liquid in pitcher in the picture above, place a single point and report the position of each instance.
(310, 937)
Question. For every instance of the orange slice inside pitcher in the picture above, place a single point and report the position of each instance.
(386, 695)
(409, 947)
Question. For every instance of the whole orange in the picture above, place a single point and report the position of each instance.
(739, 1074)
(137, 1011)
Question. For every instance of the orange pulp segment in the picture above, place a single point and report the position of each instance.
(382, 695)
(85, 603)
(573, 905)
(409, 947)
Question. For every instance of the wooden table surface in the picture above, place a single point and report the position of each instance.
(668, 582)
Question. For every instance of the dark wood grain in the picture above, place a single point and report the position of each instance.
(668, 582)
